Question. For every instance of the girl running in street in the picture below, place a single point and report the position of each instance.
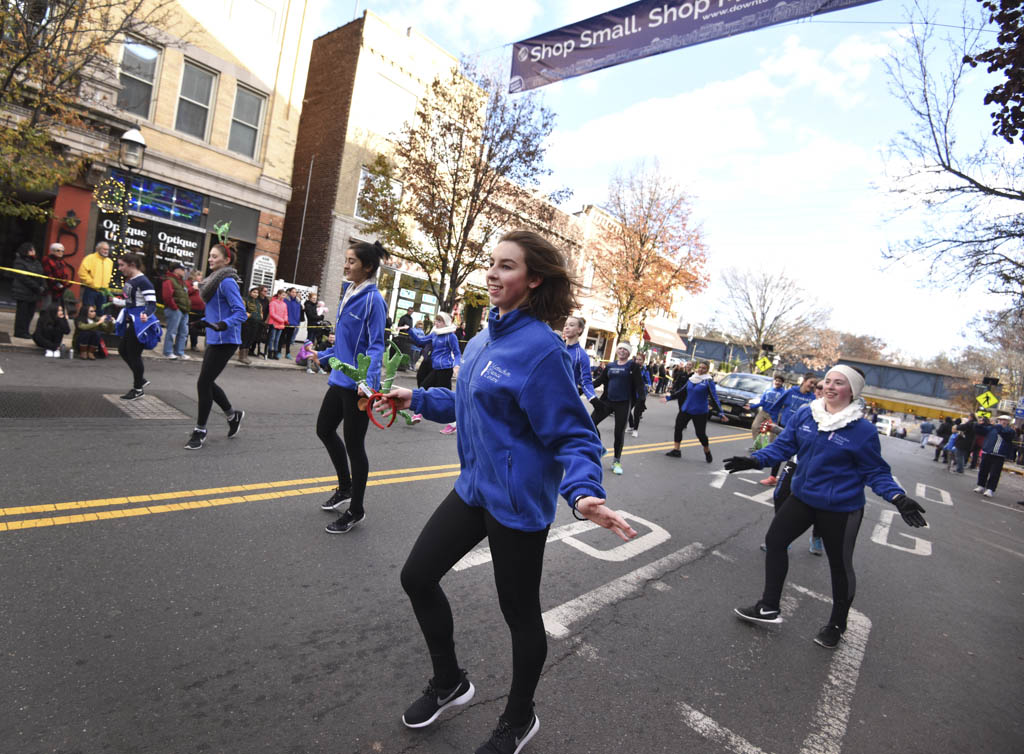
(571, 332)
(696, 397)
(524, 438)
(139, 302)
(359, 329)
(839, 453)
(224, 315)
(621, 379)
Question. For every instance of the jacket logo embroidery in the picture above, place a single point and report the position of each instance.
(493, 372)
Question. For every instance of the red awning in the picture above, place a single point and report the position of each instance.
(661, 336)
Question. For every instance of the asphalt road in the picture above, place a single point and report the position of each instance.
(212, 617)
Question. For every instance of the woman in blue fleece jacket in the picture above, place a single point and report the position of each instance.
(696, 398)
(359, 330)
(524, 437)
(839, 454)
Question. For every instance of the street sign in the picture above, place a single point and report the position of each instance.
(983, 414)
(987, 399)
(763, 364)
(1019, 413)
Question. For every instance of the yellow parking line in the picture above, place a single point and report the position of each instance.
(389, 477)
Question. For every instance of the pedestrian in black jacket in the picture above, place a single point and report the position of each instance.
(26, 290)
(944, 431)
(963, 443)
(51, 328)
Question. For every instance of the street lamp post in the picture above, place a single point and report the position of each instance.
(130, 156)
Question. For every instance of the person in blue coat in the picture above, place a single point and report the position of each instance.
(783, 408)
(766, 399)
(445, 354)
(359, 330)
(571, 332)
(524, 438)
(296, 315)
(223, 315)
(839, 454)
(997, 448)
(696, 398)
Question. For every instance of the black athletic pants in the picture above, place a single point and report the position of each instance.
(991, 468)
(700, 426)
(214, 360)
(605, 408)
(838, 531)
(518, 560)
(637, 411)
(131, 352)
(341, 407)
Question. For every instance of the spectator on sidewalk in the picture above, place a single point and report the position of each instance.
(277, 321)
(89, 329)
(315, 313)
(964, 443)
(174, 296)
(252, 327)
(979, 440)
(51, 327)
(998, 447)
(307, 357)
(264, 336)
(295, 318)
(197, 307)
(945, 429)
(926, 430)
(94, 272)
(26, 290)
(59, 272)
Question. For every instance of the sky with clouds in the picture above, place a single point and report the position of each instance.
(780, 135)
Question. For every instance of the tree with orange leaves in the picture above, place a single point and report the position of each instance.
(649, 249)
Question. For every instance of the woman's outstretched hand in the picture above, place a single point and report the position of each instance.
(401, 399)
(594, 510)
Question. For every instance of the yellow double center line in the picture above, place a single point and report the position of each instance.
(214, 496)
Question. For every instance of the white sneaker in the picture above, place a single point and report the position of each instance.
(636, 433)
(979, 488)
(309, 370)
(50, 354)
(185, 357)
(987, 493)
(171, 357)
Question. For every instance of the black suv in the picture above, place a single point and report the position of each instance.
(738, 389)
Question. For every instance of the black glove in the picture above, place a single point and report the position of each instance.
(218, 326)
(911, 511)
(740, 463)
(594, 401)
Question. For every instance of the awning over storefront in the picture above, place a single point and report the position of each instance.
(663, 337)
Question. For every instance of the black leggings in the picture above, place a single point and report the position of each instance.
(838, 531)
(604, 409)
(700, 426)
(439, 378)
(214, 360)
(637, 412)
(131, 351)
(453, 530)
(341, 406)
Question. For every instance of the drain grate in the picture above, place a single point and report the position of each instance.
(146, 407)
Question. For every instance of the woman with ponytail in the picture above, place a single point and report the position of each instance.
(359, 330)
(224, 315)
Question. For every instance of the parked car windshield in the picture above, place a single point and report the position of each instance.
(752, 383)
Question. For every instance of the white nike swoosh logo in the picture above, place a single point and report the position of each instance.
(763, 612)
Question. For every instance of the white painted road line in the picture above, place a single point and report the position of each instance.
(482, 555)
(557, 620)
(831, 713)
(881, 536)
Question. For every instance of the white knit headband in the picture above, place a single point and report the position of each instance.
(852, 376)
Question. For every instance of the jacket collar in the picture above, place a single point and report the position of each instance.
(499, 326)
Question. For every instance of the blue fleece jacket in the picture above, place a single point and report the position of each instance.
(295, 313)
(993, 433)
(581, 370)
(524, 434)
(696, 396)
(767, 399)
(445, 353)
(225, 306)
(834, 466)
(359, 329)
(789, 403)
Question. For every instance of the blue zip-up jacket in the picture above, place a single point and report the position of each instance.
(767, 399)
(524, 434)
(993, 433)
(225, 306)
(581, 370)
(834, 466)
(446, 353)
(295, 313)
(789, 403)
(645, 373)
(696, 396)
(359, 329)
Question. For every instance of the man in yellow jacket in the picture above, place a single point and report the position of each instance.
(95, 271)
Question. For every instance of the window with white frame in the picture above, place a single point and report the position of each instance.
(138, 77)
(194, 102)
(245, 122)
(365, 176)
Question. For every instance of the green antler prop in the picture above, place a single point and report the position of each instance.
(394, 359)
(356, 374)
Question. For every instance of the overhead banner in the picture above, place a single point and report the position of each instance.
(646, 28)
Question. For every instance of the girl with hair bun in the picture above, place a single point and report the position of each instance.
(359, 330)
(524, 438)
